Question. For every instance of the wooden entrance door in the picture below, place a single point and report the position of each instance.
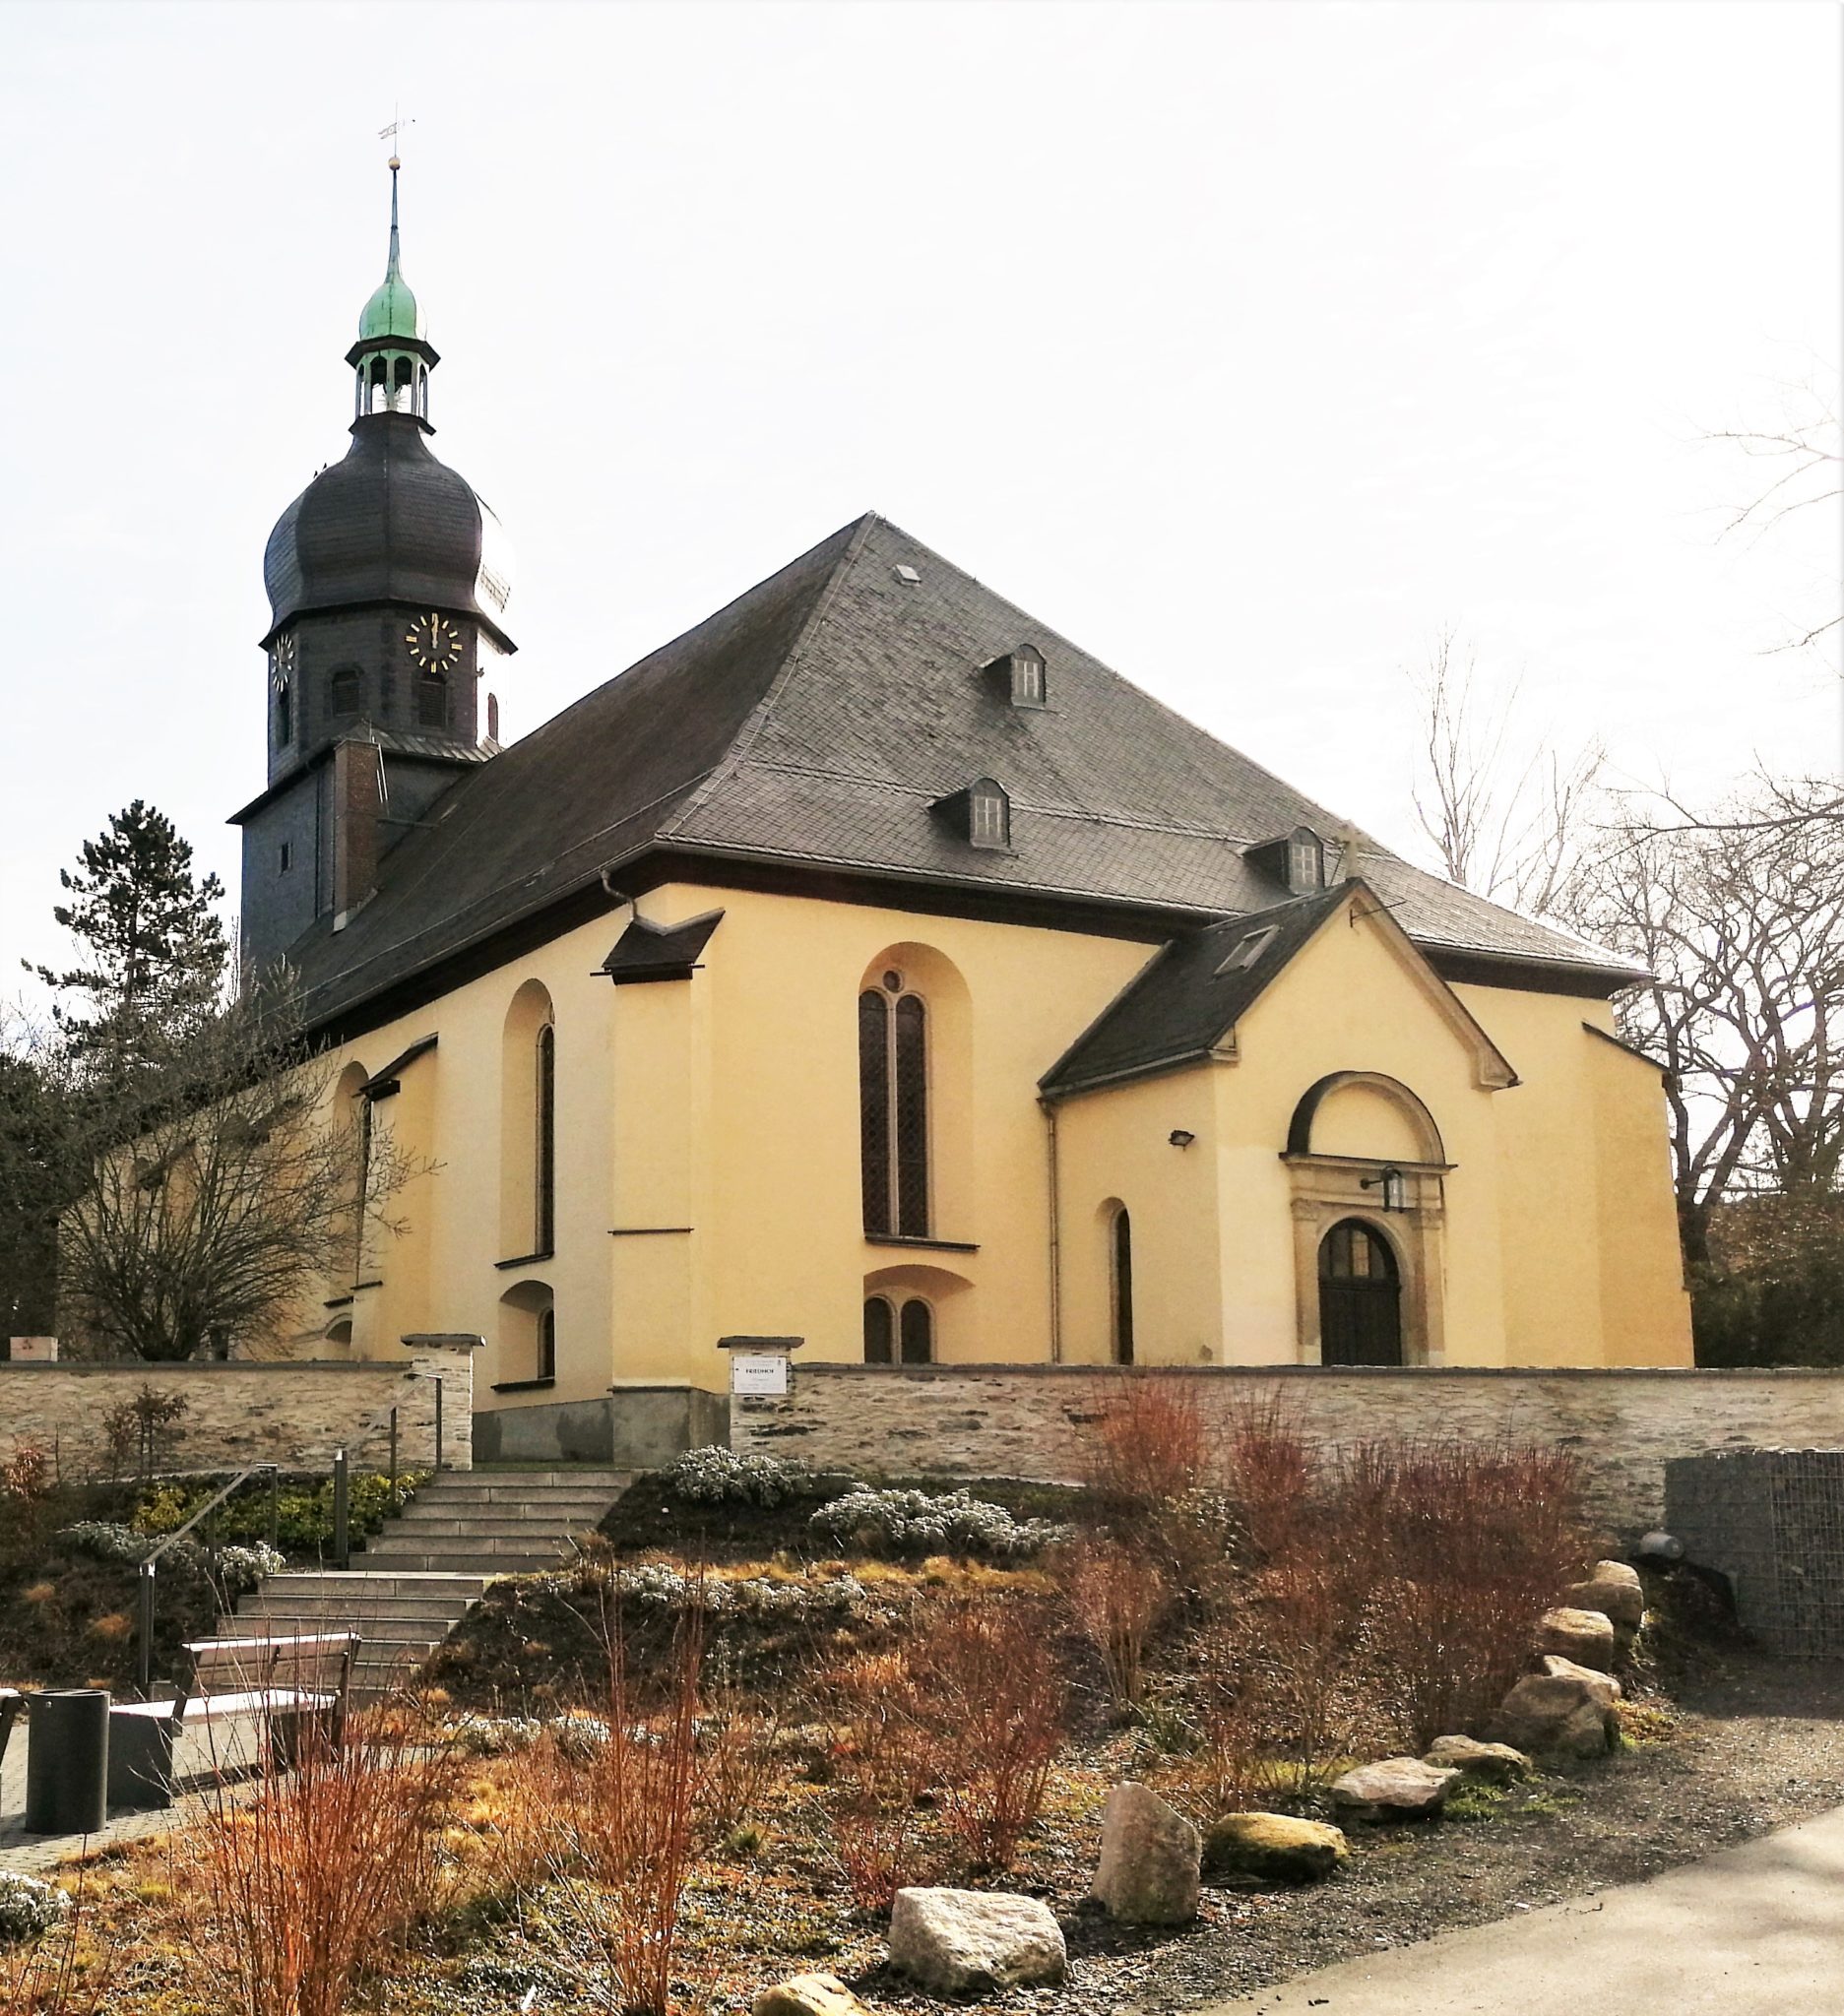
(1360, 1297)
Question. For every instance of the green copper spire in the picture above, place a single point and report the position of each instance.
(392, 311)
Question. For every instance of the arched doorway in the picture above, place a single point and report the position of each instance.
(1360, 1297)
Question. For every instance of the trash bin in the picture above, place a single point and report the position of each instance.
(67, 1761)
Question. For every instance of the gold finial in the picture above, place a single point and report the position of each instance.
(391, 132)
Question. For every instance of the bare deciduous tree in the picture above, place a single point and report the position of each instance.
(1741, 920)
(1798, 461)
(214, 1189)
(1505, 829)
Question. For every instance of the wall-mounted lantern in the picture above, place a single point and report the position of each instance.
(1181, 1137)
(1394, 1186)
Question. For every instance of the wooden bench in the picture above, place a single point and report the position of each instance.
(288, 1687)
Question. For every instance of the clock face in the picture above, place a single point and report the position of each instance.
(281, 661)
(434, 642)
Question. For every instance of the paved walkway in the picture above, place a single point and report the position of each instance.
(1754, 1929)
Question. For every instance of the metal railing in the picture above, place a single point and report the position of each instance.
(207, 1514)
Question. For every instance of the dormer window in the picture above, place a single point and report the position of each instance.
(1247, 949)
(982, 814)
(1020, 672)
(1296, 860)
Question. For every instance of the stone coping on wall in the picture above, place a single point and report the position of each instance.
(203, 1366)
(1041, 1370)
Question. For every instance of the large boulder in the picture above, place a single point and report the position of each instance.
(1485, 1763)
(1564, 1711)
(1397, 1788)
(975, 1942)
(809, 1994)
(1150, 1857)
(1615, 1591)
(1273, 1848)
(1584, 1636)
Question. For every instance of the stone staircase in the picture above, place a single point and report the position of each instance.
(417, 1580)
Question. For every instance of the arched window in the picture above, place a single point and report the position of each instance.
(545, 1146)
(891, 1332)
(547, 1344)
(917, 1333)
(345, 692)
(284, 715)
(432, 700)
(1120, 1262)
(893, 1107)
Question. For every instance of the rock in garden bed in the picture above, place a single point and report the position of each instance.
(1584, 1636)
(1150, 1856)
(974, 1942)
(1273, 1848)
(809, 1994)
(1564, 1711)
(1397, 1788)
(1485, 1763)
(1615, 1591)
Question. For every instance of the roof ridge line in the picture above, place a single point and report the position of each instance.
(745, 738)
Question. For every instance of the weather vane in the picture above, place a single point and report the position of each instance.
(389, 132)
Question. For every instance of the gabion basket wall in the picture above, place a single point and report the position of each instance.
(1772, 1521)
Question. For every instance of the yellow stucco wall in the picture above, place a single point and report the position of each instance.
(711, 1127)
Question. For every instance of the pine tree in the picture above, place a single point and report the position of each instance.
(153, 954)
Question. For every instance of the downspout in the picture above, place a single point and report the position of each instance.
(1056, 1238)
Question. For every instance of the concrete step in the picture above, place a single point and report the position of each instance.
(356, 1604)
(561, 1509)
(520, 1539)
(614, 1481)
(425, 1631)
(398, 1580)
(487, 1524)
(507, 1559)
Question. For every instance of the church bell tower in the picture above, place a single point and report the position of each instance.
(387, 580)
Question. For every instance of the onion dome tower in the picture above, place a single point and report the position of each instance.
(387, 580)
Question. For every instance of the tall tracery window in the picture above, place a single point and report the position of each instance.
(1121, 1261)
(545, 1105)
(284, 715)
(893, 1107)
(894, 1334)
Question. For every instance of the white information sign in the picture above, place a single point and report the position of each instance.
(33, 1351)
(758, 1373)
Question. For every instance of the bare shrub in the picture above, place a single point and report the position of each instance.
(1268, 1471)
(292, 1895)
(1480, 1541)
(26, 1474)
(56, 1975)
(738, 1758)
(995, 1685)
(619, 1815)
(885, 1758)
(1116, 1596)
(1146, 1448)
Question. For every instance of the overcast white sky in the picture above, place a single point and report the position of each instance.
(1247, 344)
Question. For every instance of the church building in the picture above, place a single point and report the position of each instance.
(873, 967)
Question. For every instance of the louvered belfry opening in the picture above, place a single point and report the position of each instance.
(893, 1108)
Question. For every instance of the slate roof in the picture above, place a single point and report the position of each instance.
(1179, 1006)
(386, 524)
(811, 724)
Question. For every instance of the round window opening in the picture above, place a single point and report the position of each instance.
(893, 981)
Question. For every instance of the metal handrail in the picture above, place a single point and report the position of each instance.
(149, 1563)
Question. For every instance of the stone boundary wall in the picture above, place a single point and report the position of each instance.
(1024, 1420)
(293, 1412)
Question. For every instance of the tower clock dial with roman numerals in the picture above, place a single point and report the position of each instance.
(282, 662)
(434, 642)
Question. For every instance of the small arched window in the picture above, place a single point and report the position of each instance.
(432, 700)
(879, 1331)
(1120, 1265)
(547, 1344)
(894, 1334)
(345, 692)
(545, 1146)
(893, 1107)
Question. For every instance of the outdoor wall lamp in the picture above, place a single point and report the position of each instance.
(1181, 1137)
(1394, 1186)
